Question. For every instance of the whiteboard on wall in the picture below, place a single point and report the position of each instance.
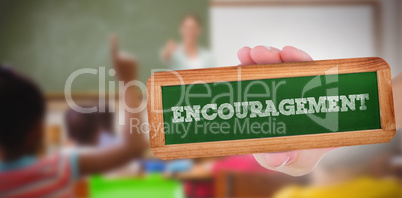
(323, 31)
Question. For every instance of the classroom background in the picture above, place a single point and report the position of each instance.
(49, 40)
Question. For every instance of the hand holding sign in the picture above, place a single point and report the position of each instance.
(275, 106)
(293, 162)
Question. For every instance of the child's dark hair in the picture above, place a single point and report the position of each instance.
(22, 105)
(82, 128)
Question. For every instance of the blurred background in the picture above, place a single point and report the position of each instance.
(49, 40)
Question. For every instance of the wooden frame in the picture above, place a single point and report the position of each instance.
(272, 144)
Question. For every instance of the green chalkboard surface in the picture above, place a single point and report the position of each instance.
(270, 108)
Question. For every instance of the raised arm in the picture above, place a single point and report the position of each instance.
(168, 50)
(133, 145)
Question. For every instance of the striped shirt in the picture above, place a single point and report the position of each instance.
(28, 176)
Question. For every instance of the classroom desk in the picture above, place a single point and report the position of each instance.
(81, 188)
(198, 172)
(198, 181)
(152, 185)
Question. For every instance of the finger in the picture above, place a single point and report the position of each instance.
(265, 55)
(114, 45)
(292, 54)
(125, 56)
(279, 159)
(244, 56)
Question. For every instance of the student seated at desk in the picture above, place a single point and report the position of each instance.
(82, 128)
(107, 135)
(91, 129)
(22, 114)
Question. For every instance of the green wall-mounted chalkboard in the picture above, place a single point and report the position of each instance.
(48, 40)
(270, 108)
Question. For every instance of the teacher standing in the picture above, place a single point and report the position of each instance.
(188, 54)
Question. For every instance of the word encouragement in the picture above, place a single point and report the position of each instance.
(287, 107)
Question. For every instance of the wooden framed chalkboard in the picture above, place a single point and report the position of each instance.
(270, 108)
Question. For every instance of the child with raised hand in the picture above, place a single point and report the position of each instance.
(22, 105)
